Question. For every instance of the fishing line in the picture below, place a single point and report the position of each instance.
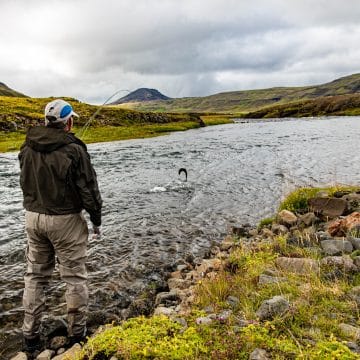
(83, 130)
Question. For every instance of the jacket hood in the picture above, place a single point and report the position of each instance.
(45, 139)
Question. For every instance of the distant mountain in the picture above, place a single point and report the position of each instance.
(141, 95)
(250, 100)
(6, 91)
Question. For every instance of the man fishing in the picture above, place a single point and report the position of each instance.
(58, 182)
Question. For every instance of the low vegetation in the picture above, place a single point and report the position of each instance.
(309, 329)
(111, 123)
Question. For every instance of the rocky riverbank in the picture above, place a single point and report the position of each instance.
(288, 288)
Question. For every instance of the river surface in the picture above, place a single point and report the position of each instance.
(237, 173)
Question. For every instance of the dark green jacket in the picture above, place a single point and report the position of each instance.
(56, 176)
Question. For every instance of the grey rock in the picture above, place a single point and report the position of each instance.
(224, 316)
(204, 320)
(182, 267)
(351, 331)
(343, 264)
(355, 241)
(297, 265)
(174, 283)
(287, 218)
(57, 342)
(209, 309)
(328, 207)
(272, 307)
(279, 229)
(336, 247)
(353, 347)
(161, 310)
(308, 219)
(181, 321)
(233, 301)
(266, 279)
(259, 354)
(45, 355)
(20, 356)
(322, 235)
(357, 261)
(167, 298)
(69, 354)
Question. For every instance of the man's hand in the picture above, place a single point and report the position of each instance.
(96, 232)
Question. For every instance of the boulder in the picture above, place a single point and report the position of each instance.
(353, 201)
(351, 331)
(328, 207)
(344, 264)
(308, 219)
(259, 354)
(278, 229)
(297, 265)
(336, 247)
(287, 218)
(69, 354)
(167, 298)
(162, 310)
(45, 355)
(273, 307)
(267, 279)
(355, 241)
(20, 356)
(341, 227)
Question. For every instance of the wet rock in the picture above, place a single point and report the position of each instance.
(287, 218)
(267, 279)
(162, 310)
(308, 219)
(233, 301)
(297, 265)
(328, 207)
(351, 331)
(69, 354)
(57, 342)
(259, 354)
(272, 307)
(241, 230)
(344, 264)
(341, 227)
(278, 229)
(20, 356)
(336, 247)
(45, 355)
(167, 298)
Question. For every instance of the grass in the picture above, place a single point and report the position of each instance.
(297, 201)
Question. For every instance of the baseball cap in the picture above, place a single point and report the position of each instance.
(58, 111)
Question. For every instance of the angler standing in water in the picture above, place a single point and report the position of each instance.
(58, 182)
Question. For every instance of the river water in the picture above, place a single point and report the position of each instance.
(152, 218)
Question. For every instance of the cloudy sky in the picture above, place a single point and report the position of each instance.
(89, 49)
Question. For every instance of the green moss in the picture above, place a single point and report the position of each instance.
(147, 338)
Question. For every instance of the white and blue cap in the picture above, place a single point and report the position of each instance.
(58, 111)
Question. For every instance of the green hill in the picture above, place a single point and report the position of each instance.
(250, 100)
(6, 91)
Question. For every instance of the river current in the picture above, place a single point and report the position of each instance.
(152, 217)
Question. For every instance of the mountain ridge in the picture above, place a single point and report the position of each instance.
(6, 91)
(141, 95)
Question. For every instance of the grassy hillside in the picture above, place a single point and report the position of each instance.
(327, 105)
(6, 91)
(250, 100)
(111, 123)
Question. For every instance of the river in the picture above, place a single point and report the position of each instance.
(152, 218)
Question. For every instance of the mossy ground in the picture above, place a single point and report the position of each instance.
(308, 330)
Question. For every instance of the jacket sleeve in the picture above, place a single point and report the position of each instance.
(87, 185)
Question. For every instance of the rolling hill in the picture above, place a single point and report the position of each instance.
(6, 91)
(249, 100)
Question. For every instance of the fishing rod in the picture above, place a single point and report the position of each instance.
(83, 130)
